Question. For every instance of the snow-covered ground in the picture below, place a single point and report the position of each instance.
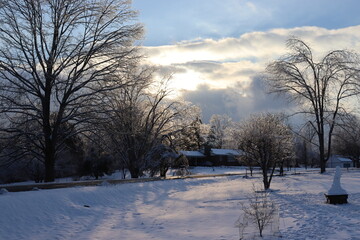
(205, 208)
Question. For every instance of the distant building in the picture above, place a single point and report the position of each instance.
(195, 158)
(212, 157)
(337, 160)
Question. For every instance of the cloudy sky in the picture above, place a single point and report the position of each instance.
(218, 48)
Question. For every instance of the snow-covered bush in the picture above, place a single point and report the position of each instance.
(3, 191)
(160, 159)
(258, 213)
(181, 165)
(97, 163)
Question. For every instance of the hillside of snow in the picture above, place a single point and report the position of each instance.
(205, 208)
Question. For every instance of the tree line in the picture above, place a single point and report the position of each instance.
(77, 99)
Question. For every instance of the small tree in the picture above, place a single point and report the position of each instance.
(260, 211)
(266, 139)
(244, 159)
(217, 132)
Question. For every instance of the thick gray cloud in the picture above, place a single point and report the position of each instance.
(212, 101)
(237, 102)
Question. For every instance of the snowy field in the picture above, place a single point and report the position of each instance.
(205, 208)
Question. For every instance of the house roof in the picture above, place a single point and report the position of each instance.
(192, 153)
(343, 159)
(340, 158)
(216, 151)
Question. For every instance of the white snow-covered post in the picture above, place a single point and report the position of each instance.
(336, 194)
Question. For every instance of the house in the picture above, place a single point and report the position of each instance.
(225, 156)
(337, 160)
(195, 158)
(212, 157)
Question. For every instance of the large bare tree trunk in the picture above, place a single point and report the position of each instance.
(322, 154)
(133, 164)
(49, 163)
(265, 179)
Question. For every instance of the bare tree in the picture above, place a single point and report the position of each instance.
(266, 140)
(304, 149)
(245, 160)
(57, 58)
(322, 87)
(189, 134)
(347, 138)
(143, 118)
(217, 132)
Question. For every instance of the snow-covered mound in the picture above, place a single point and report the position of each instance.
(336, 188)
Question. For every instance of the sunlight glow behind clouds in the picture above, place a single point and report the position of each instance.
(208, 66)
(221, 63)
(255, 46)
(217, 49)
